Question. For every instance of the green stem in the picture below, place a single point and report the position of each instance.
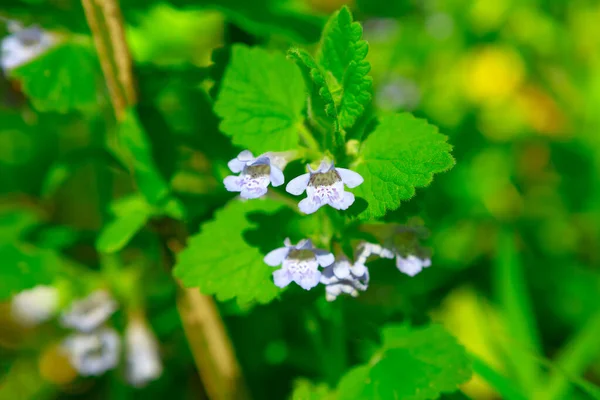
(308, 138)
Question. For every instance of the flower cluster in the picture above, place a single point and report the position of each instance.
(302, 263)
(325, 185)
(93, 347)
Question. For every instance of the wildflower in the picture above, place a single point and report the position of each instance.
(87, 314)
(255, 175)
(23, 45)
(92, 354)
(300, 263)
(325, 186)
(365, 250)
(33, 306)
(411, 265)
(143, 360)
(344, 277)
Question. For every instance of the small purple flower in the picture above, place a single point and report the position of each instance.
(343, 277)
(325, 186)
(411, 265)
(299, 263)
(255, 175)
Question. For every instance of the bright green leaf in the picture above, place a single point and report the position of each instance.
(261, 100)
(24, 267)
(62, 79)
(136, 152)
(343, 53)
(402, 153)
(413, 364)
(321, 100)
(117, 233)
(14, 223)
(220, 261)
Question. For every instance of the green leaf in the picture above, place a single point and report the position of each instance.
(511, 290)
(24, 267)
(505, 388)
(402, 153)
(135, 150)
(321, 100)
(117, 233)
(62, 79)
(261, 100)
(220, 261)
(413, 364)
(343, 53)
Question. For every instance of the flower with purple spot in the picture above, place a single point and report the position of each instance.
(344, 277)
(255, 175)
(411, 265)
(325, 186)
(299, 263)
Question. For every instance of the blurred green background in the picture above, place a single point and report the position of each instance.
(514, 84)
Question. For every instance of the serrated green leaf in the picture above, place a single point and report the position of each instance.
(261, 100)
(413, 364)
(219, 260)
(117, 233)
(25, 267)
(343, 53)
(401, 154)
(135, 151)
(321, 100)
(62, 79)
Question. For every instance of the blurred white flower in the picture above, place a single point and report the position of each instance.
(89, 313)
(411, 265)
(143, 359)
(92, 354)
(344, 277)
(33, 306)
(23, 45)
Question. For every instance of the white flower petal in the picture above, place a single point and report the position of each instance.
(253, 193)
(276, 257)
(341, 269)
(309, 280)
(350, 178)
(410, 265)
(426, 262)
(282, 278)
(345, 201)
(324, 167)
(298, 185)
(277, 178)
(245, 155)
(308, 206)
(324, 258)
(36, 305)
(233, 183)
(358, 269)
(236, 165)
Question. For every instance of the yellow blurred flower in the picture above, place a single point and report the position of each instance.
(492, 74)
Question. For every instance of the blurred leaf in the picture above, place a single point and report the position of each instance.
(305, 390)
(219, 261)
(25, 267)
(500, 383)
(511, 290)
(14, 223)
(261, 100)
(573, 360)
(62, 79)
(417, 363)
(138, 155)
(401, 154)
(117, 233)
(342, 53)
